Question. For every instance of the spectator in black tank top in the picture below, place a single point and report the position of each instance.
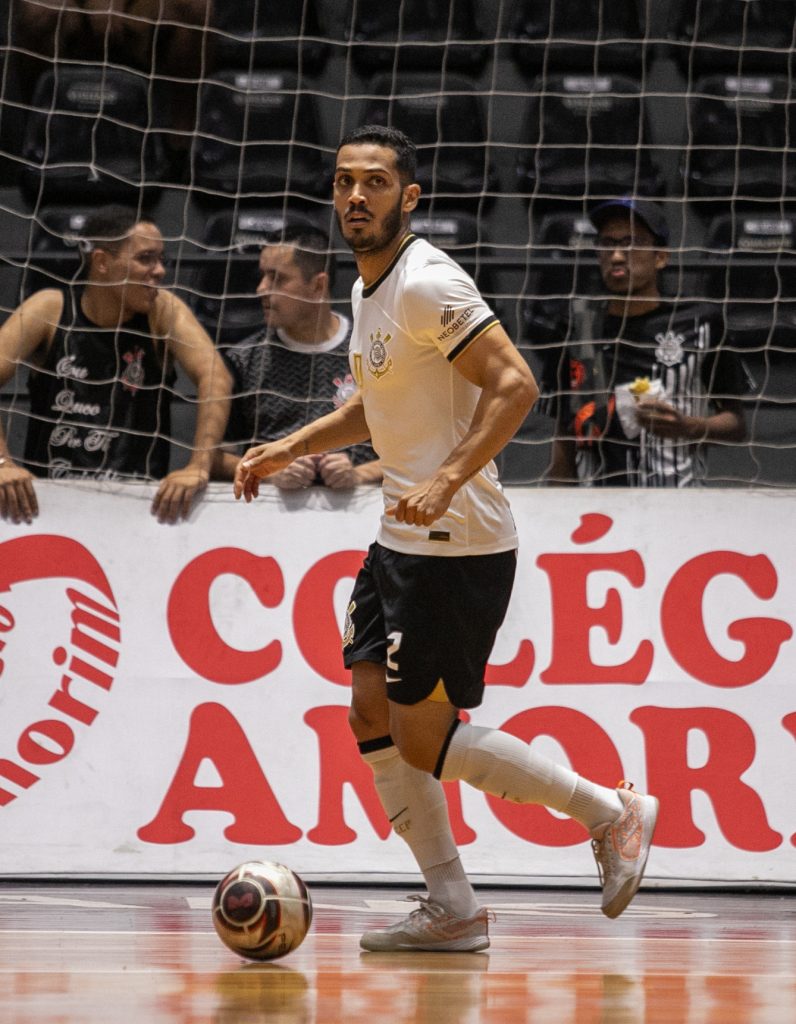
(102, 357)
(641, 382)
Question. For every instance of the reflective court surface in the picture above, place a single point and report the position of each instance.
(147, 953)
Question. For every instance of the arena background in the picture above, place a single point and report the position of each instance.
(103, 790)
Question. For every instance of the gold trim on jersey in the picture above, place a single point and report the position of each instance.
(356, 369)
(371, 288)
(476, 332)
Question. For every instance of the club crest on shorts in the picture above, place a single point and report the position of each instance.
(379, 361)
(348, 625)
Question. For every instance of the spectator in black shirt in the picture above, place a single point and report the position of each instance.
(642, 381)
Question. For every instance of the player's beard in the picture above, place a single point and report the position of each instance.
(379, 240)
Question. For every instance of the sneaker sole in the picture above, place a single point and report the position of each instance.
(474, 945)
(631, 886)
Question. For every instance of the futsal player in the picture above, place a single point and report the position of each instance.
(441, 389)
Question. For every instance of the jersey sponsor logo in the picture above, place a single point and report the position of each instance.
(379, 361)
(669, 350)
(454, 325)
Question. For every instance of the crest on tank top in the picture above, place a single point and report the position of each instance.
(133, 374)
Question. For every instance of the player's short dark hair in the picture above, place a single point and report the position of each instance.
(311, 251)
(106, 228)
(381, 135)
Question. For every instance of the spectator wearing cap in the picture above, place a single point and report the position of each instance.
(637, 382)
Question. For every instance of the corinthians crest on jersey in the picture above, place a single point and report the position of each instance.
(378, 358)
(669, 350)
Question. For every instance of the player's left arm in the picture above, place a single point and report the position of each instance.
(192, 348)
(508, 392)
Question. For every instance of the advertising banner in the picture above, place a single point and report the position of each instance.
(173, 700)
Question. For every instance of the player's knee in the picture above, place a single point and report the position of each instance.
(366, 722)
(416, 751)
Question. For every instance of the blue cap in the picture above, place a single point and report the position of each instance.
(648, 213)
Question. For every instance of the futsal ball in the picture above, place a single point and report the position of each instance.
(261, 910)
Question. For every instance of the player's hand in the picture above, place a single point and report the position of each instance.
(17, 496)
(176, 493)
(423, 504)
(663, 420)
(259, 462)
(337, 471)
(298, 475)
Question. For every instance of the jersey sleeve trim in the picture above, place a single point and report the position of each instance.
(476, 332)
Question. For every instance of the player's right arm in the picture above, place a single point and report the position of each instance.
(29, 327)
(345, 426)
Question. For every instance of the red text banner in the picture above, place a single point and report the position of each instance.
(173, 700)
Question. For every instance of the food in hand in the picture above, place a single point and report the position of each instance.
(640, 386)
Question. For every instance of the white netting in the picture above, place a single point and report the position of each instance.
(221, 122)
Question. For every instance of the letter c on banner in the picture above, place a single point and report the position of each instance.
(190, 620)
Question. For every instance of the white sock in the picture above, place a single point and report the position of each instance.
(415, 804)
(504, 766)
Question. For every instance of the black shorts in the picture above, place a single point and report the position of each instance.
(428, 618)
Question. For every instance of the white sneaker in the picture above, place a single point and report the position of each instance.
(621, 851)
(431, 928)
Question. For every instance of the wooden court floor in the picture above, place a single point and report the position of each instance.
(147, 953)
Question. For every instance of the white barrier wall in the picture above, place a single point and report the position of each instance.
(172, 699)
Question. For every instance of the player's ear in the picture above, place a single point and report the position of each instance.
(661, 259)
(321, 283)
(411, 197)
(99, 261)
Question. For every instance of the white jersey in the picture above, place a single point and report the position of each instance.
(409, 327)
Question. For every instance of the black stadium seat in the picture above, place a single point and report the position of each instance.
(54, 247)
(88, 137)
(266, 36)
(565, 240)
(259, 134)
(740, 138)
(445, 117)
(417, 35)
(753, 258)
(585, 137)
(735, 36)
(591, 35)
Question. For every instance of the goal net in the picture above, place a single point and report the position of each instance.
(220, 122)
